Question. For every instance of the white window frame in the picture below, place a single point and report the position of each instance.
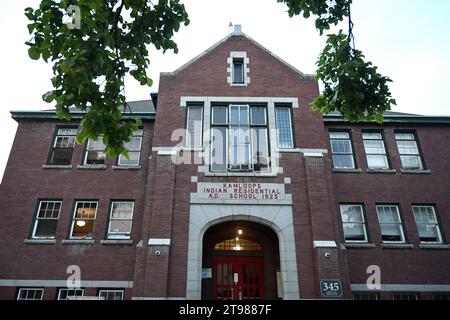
(418, 154)
(68, 291)
(34, 289)
(250, 165)
(349, 139)
(366, 238)
(74, 221)
(439, 233)
(290, 127)
(388, 166)
(400, 223)
(188, 143)
(119, 235)
(37, 219)
(121, 156)
(111, 291)
(98, 150)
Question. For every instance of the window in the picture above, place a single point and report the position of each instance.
(390, 224)
(441, 296)
(409, 151)
(238, 70)
(375, 151)
(64, 294)
(30, 294)
(237, 244)
(134, 150)
(120, 220)
(46, 220)
(83, 219)
(95, 151)
(111, 294)
(353, 223)
(427, 224)
(341, 149)
(284, 127)
(194, 125)
(239, 138)
(406, 296)
(365, 296)
(62, 150)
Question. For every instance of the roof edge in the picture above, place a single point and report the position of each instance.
(392, 119)
(51, 114)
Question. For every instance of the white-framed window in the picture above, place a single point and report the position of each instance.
(341, 149)
(62, 148)
(120, 219)
(283, 124)
(30, 294)
(46, 220)
(238, 69)
(95, 151)
(427, 224)
(133, 148)
(390, 224)
(408, 150)
(83, 220)
(353, 223)
(239, 138)
(194, 127)
(111, 294)
(375, 150)
(65, 293)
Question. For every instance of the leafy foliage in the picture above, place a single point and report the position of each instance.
(89, 64)
(352, 85)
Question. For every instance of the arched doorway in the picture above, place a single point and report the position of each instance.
(243, 261)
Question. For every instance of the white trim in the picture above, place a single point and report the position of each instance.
(185, 99)
(158, 242)
(324, 244)
(63, 283)
(313, 154)
(245, 69)
(405, 287)
(31, 289)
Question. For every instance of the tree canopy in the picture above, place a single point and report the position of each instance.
(91, 60)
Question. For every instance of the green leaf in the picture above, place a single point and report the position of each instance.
(34, 53)
(149, 82)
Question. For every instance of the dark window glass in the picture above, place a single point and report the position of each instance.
(63, 144)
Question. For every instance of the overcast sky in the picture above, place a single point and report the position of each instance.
(409, 40)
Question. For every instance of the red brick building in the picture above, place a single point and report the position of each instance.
(234, 189)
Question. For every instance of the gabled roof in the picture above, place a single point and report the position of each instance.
(237, 32)
(143, 109)
(391, 116)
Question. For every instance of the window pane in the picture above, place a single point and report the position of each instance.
(374, 147)
(258, 115)
(411, 162)
(428, 232)
(339, 135)
(96, 144)
(341, 161)
(65, 142)
(219, 115)
(351, 213)
(122, 210)
(134, 144)
(194, 127)
(64, 293)
(284, 127)
(407, 147)
(243, 115)
(238, 71)
(260, 149)
(377, 162)
(83, 230)
(234, 115)
(341, 146)
(354, 232)
(45, 228)
(132, 161)
(391, 232)
(61, 156)
(120, 226)
(95, 157)
(67, 131)
(371, 135)
(84, 218)
(218, 149)
(404, 136)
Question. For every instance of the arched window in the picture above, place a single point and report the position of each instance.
(237, 244)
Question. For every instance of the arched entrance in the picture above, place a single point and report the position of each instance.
(243, 260)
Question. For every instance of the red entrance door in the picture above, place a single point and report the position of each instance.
(238, 278)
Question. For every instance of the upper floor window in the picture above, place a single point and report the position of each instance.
(375, 150)
(62, 149)
(427, 224)
(194, 127)
(46, 220)
(238, 69)
(133, 148)
(284, 127)
(120, 220)
(111, 294)
(239, 138)
(95, 151)
(30, 294)
(83, 220)
(390, 224)
(408, 150)
(353, 223)
(341, 149)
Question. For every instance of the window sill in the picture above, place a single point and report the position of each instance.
(92, 166)
(434, 246)
(381, 171)
(118, 167)
(39, 241)
(78, 241)
(346, 170)
(409, 171)
(117, 241)
(238, 84)
(289, 150)
(397, 246)
(350, 245)
(56, 166)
